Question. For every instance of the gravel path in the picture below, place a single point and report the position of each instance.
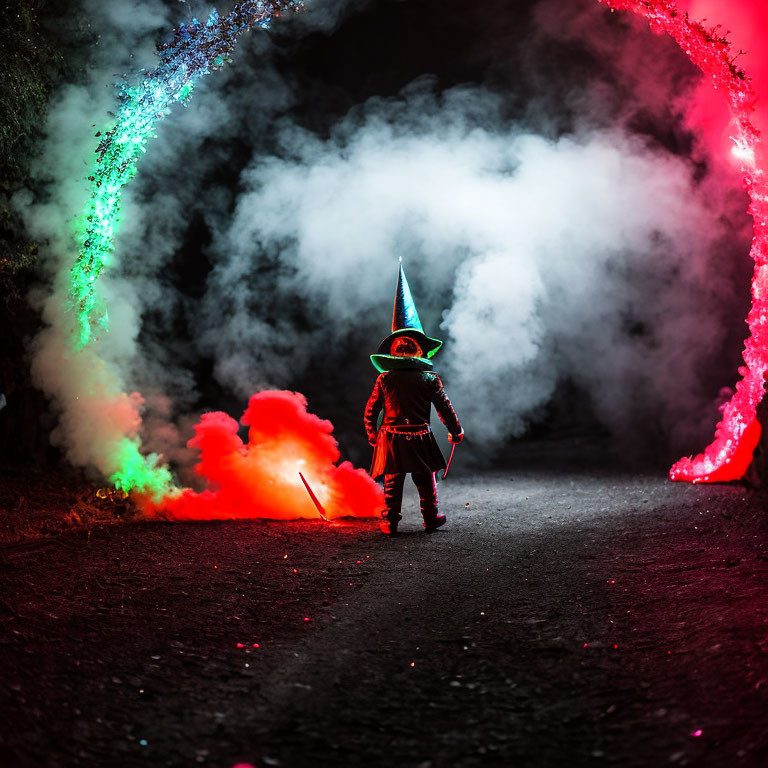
(559, 619)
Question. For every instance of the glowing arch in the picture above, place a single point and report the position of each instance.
(198, 48)
(195, 50)
(736, 436)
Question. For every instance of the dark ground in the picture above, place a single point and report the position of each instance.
(562, 618)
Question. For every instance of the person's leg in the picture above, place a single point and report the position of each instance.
(425, 483)
(393, 498)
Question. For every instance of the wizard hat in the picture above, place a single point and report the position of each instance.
(405, 325)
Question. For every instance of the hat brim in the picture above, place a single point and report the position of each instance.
(385, 363)
(428, 345)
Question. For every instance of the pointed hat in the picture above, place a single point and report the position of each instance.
(405, 322)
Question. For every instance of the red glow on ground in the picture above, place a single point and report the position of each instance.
(261, 479)
(705, 44)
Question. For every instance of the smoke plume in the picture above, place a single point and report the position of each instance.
(589, 238)
(593, 257)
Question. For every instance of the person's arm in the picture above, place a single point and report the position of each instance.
(445, 410)
(372, 408)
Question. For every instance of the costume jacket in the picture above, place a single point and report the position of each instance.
(404, 442)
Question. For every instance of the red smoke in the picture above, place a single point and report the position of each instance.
(261, 479)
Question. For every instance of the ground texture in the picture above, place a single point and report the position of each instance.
(560, 619)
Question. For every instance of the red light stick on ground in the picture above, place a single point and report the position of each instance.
(450, 459)
(314, 498)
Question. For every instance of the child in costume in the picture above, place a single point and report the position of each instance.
(405, 392)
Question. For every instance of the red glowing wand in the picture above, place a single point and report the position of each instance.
(314, 498)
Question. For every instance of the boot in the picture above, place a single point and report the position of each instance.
(388, 527)
(433, 523)
(425, 483)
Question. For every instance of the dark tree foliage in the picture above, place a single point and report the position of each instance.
(30, 64)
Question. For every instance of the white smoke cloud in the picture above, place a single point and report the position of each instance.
(592, 256)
